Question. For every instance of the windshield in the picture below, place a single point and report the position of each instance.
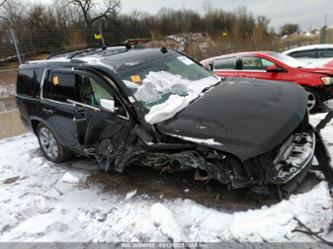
(154, 82)
(286, 59)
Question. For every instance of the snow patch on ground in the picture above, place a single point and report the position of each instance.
(69, 178)
(36, 204)
(130, 195)
(165, 222)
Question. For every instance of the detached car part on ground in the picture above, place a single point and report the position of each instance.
(161, 109)
(268, 65)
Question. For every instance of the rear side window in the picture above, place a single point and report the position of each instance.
(304, 54)
(225, 63)
(325, 53)
(28, 82)
(60, 86)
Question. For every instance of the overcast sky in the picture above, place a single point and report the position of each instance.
(303, 12)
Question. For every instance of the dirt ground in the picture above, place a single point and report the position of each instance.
(182, 185)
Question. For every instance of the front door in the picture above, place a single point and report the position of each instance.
(101, 132)
(255, 67)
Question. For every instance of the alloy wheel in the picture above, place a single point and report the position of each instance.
(48, 143)
(312, 101)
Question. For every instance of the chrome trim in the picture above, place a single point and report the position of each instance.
(254, 71)
(26, 97)
(226, 69)
(41, 89)
(72, 102)
(83, 105)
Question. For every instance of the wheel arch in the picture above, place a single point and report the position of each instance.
(35, 121)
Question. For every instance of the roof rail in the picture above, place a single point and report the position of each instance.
(80, 52)
(63, 52)
(128, 46)
(76, 52)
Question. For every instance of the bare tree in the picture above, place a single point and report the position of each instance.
(2, 7)
(2, 2)
(289, 28)
(93, 12)
(6, 6)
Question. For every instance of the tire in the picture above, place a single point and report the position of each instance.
(313, 100)
(50, 146)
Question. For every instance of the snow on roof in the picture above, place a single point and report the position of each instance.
(308, 47)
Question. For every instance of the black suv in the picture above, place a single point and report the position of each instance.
(161, 109)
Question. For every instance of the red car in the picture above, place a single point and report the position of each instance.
(318, 82)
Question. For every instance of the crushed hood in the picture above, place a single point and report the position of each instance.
(245, 117)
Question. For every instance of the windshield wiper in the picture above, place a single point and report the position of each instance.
(208, 87)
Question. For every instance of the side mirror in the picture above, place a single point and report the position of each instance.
(108, 105)
(274, 69)
(211, 66)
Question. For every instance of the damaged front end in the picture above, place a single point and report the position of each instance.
(281, 170)
(240, 132)
(300, 152)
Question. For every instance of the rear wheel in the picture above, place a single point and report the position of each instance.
(51, 148)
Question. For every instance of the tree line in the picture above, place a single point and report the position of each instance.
(71, 23)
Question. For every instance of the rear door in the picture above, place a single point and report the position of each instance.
(225, 67)
(58, 88)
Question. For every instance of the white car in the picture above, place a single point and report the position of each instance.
(316, 55)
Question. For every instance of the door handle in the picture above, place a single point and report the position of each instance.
(79, 119)
(80, 115)
(48, 111)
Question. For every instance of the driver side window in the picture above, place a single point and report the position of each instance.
(90, 91)
(256, 63)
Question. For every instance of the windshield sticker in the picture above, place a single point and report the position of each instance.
(136, 79)
(185, 60)
(55, 80)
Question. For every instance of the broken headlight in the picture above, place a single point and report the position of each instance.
(294, 155)
(327, 80)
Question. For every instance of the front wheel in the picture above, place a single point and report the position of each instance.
(313, 100)
(51, 148)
